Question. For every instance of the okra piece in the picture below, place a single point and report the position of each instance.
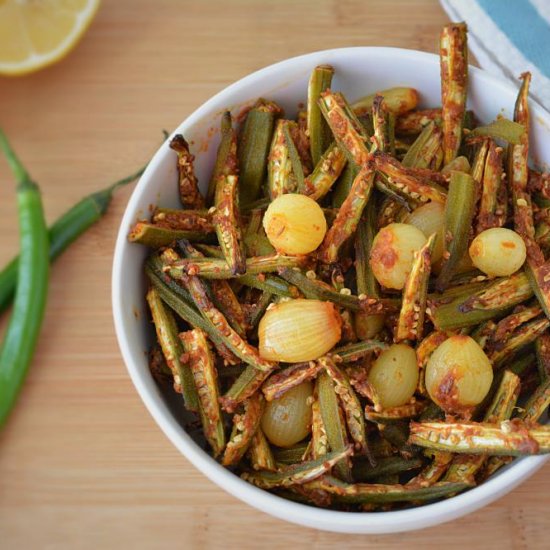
(244, 429)
(343, 185)
(259, 308)
(395, 414)
(334, 423)
(398, 101)
(539, 278)
(222, 293)
(190, 195)
(348, 217)
(424, 352)
(414, 122)
(317, 129)
(366, 231)
(217, 268)
(292, 455)
(167, 336)
(246, 385)
(253, 148)
(406, 181)
(261, 456)
(366, 493)
(297, 474)
(364, 471)
(183, 220)
(501, 128)
(315, 289)
(542, 350)
(458, 164)
(227, 224)
(488, 303)
(465, 467)
(454, 82)
(506, 327)
(410, 325)
(156, 236)
(256, 242)
(507, 438)
(178, 299)
(379, 122)
(524, 336)
(270, 283)
(491, 182)
(218, 323)
(350, 403)
(227, 150)
(280, 382)
(354, 352)
(201, 363)
(160, 371)
(326, 172)
(319, 438)
(348, 131)
(459, 216)
(290, 129)
(434, 471)
(424, 149)
(280, 176)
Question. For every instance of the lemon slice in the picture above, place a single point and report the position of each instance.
(36, 33)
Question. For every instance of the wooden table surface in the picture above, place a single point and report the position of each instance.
(82, 464)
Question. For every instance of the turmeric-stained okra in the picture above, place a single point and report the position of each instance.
(379, 122)
(507, 438)
(179, 299)
(432, 473)
(280, 175)
(465, 467)
(253, 148)
(280, 382)
(424, 149)
(325, 173)
(246, 385)
(167, 336)
(155, 236)
(350, 403)
(317, 129)
(340, 491)
(334, 423)
(261, 455)
(348, 131)
(542, 349)
(406, 182)
(454, 83)
(492, 176)
(183, 220)
(227, 149)
(201, 363)
(410, 325)
(487, 303)
(217, 268)
(222, 293)
(459, 215)
(319, 439)
(215, 319)
(244, 428)
(348, 216)
(297, 474)
(395, 414)
(190, 195)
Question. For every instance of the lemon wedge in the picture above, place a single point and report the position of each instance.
(37, 33)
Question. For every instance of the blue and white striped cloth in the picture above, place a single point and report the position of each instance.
(509, 37)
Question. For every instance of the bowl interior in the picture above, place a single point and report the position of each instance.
(358, 72)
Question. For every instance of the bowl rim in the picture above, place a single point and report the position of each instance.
(301, 514)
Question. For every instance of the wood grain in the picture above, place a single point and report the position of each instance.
(82, 464)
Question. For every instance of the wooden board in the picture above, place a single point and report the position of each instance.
(82, 464)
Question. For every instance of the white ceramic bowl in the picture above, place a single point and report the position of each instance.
(359, 71)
